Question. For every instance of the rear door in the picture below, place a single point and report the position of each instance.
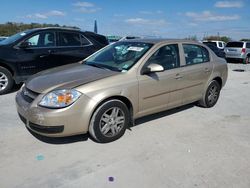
(71, 48)
(196, 71)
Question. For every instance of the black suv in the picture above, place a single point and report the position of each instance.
(32, 51)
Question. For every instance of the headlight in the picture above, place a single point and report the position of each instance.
(60, 98)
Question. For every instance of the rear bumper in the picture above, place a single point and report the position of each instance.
(234, 60)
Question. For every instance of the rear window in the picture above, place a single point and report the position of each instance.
(96, 38)
(212, 43)
(235, 44)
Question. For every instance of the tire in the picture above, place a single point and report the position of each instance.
(6, 81)
(247, 60)
(211, 96)
(109, 121)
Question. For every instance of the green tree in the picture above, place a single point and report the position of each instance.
(193, 37)
(10, 28)
(221, 38)
(244, 39)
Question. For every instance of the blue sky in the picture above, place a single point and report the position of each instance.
(165, 18)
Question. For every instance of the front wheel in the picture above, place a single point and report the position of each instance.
(6, 81)
(109, 121)
(212, 95)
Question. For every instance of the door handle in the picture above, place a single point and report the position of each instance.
(51, 51)
(178, 77)
(47, 54)
(44, 55)
(207, 70)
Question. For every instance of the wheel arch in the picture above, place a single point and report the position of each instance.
(9, 68)
(219, 80)
(121, 98)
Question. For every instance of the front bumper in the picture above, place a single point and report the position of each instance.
(67, 121)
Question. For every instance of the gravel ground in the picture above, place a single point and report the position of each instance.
(184, 147)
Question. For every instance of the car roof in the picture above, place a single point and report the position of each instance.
(57, 28)
(156, 41)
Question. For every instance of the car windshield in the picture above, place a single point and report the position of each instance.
(120, 56)
(14, 38)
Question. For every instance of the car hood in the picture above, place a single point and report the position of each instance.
(66, 77)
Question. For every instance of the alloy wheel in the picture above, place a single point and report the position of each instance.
(3, 81)
(112, 122)
(213, 94)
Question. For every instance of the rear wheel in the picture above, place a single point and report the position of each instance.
(247, 60)
(212, 95)
(109, 121)
(6, 81)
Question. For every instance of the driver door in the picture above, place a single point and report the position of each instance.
(38, 54)
(158, 91)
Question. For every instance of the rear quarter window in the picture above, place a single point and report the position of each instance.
(84, 41)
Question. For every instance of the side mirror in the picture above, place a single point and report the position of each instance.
(25, 44)
(153, 68)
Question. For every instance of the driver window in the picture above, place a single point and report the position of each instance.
(167, 56)
(45, 39)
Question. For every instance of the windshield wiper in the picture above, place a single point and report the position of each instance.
(96, 65)
(101, 66)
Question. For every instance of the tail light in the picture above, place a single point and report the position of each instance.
(243, 50)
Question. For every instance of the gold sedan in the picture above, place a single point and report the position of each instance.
(106, 92)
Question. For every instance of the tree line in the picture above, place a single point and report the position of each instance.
(10, 28)
(225, 39)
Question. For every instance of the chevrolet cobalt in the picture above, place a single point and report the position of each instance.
(106, 92)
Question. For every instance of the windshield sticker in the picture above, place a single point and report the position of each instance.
(125, 66)
(23, 34)
(134, 48)
(124, 71)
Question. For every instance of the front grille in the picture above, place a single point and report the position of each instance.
(28, 95)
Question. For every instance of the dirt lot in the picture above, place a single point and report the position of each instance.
(186, 147)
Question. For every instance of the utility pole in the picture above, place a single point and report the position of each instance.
(95, 27)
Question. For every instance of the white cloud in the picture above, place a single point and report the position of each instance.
(151, 12)
(55, 13)
(192, 24)
(142, 21)
(86, 7)
(119, 15)
(38, 15)
(46, 15)
(208, 16)
(83, 4)
(229, 4)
